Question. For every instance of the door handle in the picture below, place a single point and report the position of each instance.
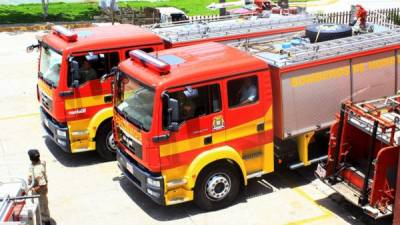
(108, 98)
(260, 127)
(208, 140)
(66, 93)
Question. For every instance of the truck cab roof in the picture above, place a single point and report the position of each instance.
(104, 37)
(195, 64)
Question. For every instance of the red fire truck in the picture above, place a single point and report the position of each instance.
(195, 123)
(76, 106)
(16, 205)
(363, 154)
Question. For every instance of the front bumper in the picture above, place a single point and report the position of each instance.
(53, 129)
(139, 177)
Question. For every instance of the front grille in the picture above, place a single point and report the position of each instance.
(50, 118)
(131, 144)
(46, 100)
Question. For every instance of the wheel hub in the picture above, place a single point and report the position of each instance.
(111, 146)
(218, 187)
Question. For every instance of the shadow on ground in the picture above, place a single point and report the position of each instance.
(357, 215)
(256, 187)
(72, 160)
(267, 184)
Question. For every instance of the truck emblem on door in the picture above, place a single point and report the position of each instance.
(218, 123)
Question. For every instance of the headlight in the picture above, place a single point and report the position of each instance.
(62, 133)
(130, 143)
(154, 183)
(153, 193)
(61, 142)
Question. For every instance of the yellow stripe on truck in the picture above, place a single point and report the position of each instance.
(190, 144)
(243, 130)
(78, 103)
(45, 88)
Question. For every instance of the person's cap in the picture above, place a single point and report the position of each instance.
(33, 154)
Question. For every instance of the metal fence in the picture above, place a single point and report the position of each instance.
(384, 17)
(202, 18)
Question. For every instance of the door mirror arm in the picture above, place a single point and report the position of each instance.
(75, 84)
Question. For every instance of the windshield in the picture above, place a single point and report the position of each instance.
(50, 63)
(135, 102)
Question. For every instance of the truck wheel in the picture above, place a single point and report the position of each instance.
(216, 187)
(328, 32)
(105, 144)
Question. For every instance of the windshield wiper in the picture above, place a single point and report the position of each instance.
(50, 82)
(47, 81)
(130, 118)
(135, 121)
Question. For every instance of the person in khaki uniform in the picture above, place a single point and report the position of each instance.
(37, 175)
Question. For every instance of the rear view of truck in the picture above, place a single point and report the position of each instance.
(363, 154)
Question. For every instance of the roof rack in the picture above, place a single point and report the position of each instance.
(307, 52)
(228, 27)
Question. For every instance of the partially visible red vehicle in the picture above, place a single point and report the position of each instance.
(16, 206)
(363, 154)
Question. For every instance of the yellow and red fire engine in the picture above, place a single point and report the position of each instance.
(76, 104)
(195, 123)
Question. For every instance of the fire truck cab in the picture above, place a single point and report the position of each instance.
(75, 103)
(183, 127)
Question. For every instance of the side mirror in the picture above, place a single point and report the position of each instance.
(30, 48)
(74, 68)
(173, 114)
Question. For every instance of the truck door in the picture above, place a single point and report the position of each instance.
(201, 124)
(90, 95)
(246, 110)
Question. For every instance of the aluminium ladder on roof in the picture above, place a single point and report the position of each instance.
(310, 52)
(215, 29)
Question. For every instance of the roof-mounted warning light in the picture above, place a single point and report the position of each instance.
(65, 33)
(150, 61)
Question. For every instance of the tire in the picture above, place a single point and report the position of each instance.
(217, 187)
(327, 32)
(105, 145)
